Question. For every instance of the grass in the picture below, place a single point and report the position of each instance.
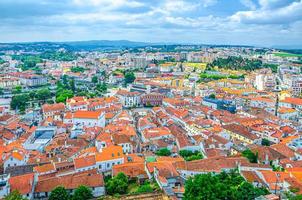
(283, 54)
(151, 159)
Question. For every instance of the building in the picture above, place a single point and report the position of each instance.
(219, 104)
(129, 99)
(89, 118)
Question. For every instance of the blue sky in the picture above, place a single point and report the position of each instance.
(250, 22)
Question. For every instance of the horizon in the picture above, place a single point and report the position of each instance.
(261, 23)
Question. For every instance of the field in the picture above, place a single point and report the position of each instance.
(283, 54)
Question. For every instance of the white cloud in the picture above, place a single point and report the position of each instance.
(249, 4)
(265, 15)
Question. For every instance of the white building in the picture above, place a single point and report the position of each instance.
(89, 118)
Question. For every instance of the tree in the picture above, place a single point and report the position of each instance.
(82, 193)
(63, 95)
(212, 96)
(43, 94)
(190, 155)
(252, 157)
(1, 91)
(15, 195)
(265, 142)
(101, 87)
(59, 193)
(163, 152)
(229, 186)
(117, 185)
(95, 79)
(17, 89)
(19, 101)
(129, 77)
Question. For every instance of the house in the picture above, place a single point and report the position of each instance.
(155, 134)
(53, 110)
(5, 186)
(84, 163)
(287, 113)
(108, 157)
(23, 184)
(91, 179)
(14, 158)
(240, 133)
(134, 170)
(129, 99)
(89, 118)
(290, 102)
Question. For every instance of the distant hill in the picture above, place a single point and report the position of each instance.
(75, 45)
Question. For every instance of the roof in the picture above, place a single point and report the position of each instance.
(89, 178)
(130, 169)
(290, 100)
(84, 161)
(87, 114)
(240, 130)
(23, 183)
(53, 107)
(45, 168)
(110, 153)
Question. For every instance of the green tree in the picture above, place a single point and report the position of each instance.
(229, 186)
(212, 96)
(101, 87)
(265, 142)
(15, 195)
(43, 94)
(1, 91)
(252, 157)
(63, 95)
(163, 152)
(59, 193)
(117, 185)
(19, 101)
(95, 79)
(17, 89)
(82, 193)
(129, 77)
(190, 155)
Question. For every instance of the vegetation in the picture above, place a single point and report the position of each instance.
(1, 61)
(237, 63)
(19, 102)
(253, 158)
(229, 186)
(190, 155)
(129, 77)
(210, 77)
(163, 152)
(29, 61)
(273, 67)
(77, 69)
(265, 142)
(117, 185)
(59, 55)
(82, 193)
(17, 89)
(212, 96)
(284, 54)
(15, 195)
(59, 193)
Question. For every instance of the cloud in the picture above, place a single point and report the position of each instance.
(204, 21)
(249, 4)
(269, 14)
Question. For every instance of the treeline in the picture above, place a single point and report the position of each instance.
(239, 63)
(29, 62)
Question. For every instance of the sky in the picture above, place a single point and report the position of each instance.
(242, 22)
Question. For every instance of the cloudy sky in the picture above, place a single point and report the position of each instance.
(251, 22)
